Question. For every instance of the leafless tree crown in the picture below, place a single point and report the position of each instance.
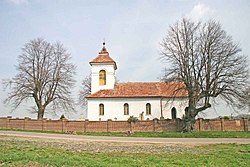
(85, 91)
(44, 75)
(207, 60)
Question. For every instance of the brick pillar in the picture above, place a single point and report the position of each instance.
(246, 124)
(63, 127)
(200, 124)
(86, 125)
(222, 124)
(3, 120)
(161, 123)
(109, 128)
(8, 122)
(109, 122)
(178, 124)
(44, 122)
(132, 126)
(154, 124)
(26, 119)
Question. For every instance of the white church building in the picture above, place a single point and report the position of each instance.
(119, 101)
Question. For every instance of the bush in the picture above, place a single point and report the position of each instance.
(132, 119)
(62, 116)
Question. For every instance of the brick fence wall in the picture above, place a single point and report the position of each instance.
(222, 125)
(122, 126)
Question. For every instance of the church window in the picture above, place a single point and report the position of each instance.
(173, 113)
(148, 109)
(102, 77)
(101, 109)
(126, 109)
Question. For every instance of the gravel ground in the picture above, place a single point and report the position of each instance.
(99, 147)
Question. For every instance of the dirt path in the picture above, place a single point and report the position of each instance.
(138, 140)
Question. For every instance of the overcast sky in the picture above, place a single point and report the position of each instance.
(132, 31)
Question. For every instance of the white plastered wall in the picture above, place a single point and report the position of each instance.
(110, 76)
(114, 108)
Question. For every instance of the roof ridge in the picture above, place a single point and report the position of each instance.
(140, 82)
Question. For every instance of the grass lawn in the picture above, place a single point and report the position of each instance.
(32, 153)
(207, 134)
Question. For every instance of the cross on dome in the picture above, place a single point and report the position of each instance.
(104, 50)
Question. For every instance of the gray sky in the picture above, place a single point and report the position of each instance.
(132, 31)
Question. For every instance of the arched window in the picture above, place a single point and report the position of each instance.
(126, 109)
(173, 113)
(148, 109)
(186, 111)
(102, 77)
(101, 109)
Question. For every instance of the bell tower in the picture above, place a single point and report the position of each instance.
(103, 69)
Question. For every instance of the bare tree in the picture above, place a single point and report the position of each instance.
(246, 101)
(44, 75)
(85, 91)
(208, 62)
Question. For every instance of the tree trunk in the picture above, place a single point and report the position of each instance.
(40, 113)
(188, 124)
(189, 118)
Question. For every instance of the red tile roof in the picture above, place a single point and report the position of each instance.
(103, 57)
(142, 89)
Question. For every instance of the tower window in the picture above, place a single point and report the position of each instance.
(101, 109)
(102, 77)
(148, 109)
(126, 109)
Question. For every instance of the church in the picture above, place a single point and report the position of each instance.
(119, 101)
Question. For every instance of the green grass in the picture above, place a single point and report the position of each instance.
(27, 153)
(207, 134)
(38, 131)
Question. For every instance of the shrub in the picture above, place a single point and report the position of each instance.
(62, 116)
(132, 119)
